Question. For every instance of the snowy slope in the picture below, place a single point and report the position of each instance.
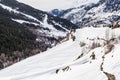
(48, 5)
(62, 62)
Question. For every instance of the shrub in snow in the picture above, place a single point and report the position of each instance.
(73, 38)
(95, 45)
(57, 71)
(109, 48)
(110, 76)
(116, 25)
(82, 44)
(101, 66)
(79, 56)
(66, 68)
(1, 64)
(92, 56)
(107, 34)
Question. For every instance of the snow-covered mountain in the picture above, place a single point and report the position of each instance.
(27, 30)
(90, 57)
(81, 12)
(41, 23)
(48, 5)
(103, 12)
(93, 55)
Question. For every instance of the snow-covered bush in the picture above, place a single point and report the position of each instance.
(109, 48)
(82, 44)
(95, 45)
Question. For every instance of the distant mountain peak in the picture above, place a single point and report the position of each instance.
(48, 5)
(104, 12)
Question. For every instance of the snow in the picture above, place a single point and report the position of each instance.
(8, 8)
(48, 5)
(44, 65)
(112, 62)
(92, 16)
(60, 26)
(17, 12)
(53, 31)
(98, 11)
(23, 21)
(46, 25)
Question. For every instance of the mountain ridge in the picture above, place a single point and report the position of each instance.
(62, 4)
(103, 12)
(85, 12)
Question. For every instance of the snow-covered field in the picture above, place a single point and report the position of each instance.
(62, 62)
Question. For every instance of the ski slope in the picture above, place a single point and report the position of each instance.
(44, 66)
(48, 5)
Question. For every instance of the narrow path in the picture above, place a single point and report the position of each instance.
(109, 75)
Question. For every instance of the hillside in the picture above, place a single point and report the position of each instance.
(26, 31)
(90, 57)
(59, 40)
(14, 37)
(103, 12)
